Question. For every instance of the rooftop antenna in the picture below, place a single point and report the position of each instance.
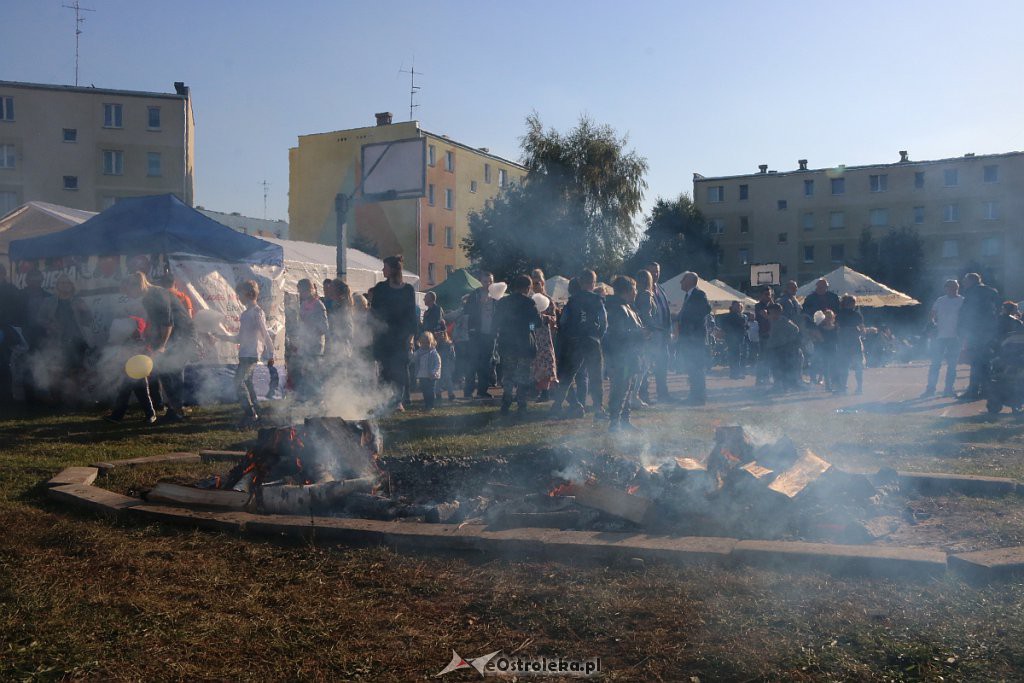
(413, 88)
(79, 20)
(266, 192)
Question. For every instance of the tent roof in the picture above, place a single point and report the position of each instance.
(557, 287)
(146, 225)
(747, 300)
(454, 287)
(719, 298)
(38, 218)
(326, 254)
(869, 293)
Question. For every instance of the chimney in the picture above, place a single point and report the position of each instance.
(904, 156)
(181, 88)
(485, 150)
(803, 164)
(763, 168)
(384, 118)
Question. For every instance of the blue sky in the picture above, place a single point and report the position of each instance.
(715, 88)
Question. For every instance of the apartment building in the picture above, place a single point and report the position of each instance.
(427, 231)
(257, 227)
(968, 210)
(86, 147)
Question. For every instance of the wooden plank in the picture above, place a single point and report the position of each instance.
(187, 495)
(220, 456)
(807, 469)
(147, 460)
(74, 475)
(611, 501)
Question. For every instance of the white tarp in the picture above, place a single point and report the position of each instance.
(869, 293)
(719, 298)
(747, 300)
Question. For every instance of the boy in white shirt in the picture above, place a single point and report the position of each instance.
(252, 332)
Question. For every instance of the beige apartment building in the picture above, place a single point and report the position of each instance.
(87, 147)
(968, 210)
(427, 231)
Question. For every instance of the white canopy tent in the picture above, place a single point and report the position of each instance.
(38, 218)
(747, 300)
(719, 298)
(558, 288)
(870, 294)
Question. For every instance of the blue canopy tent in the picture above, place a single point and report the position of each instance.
(158, 224)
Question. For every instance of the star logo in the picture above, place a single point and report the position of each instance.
(478, 663)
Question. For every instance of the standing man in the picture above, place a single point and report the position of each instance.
(764, 330)
(516, 320)
(790, 307)
(978, 325)
(693, 337)
(433, 317)
(945, 315)
(734, 329)
(480, 311)
(582, 326)
(661, 335)
(820, 299)
(12, 314)
(393, 304)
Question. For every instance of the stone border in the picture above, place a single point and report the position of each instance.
(75, 486)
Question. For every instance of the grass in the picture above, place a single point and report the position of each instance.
(84, 597)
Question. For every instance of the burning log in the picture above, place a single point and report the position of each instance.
(444, 512)
(807, 469)
(292, 499)
(611, 501)
(187, 495)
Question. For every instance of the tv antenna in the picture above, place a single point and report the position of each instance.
(266, 193)
(79, 20)
(413, 88)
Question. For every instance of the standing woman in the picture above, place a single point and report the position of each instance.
(850, 326)
(545, 370)
(309, 342)
(645, 308)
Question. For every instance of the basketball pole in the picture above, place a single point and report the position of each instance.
(341, 202)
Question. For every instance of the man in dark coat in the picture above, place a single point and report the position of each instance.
(393, 304)
(820, 299)
(978, 325)
(583, 324)
(623, 348)
(661, 332)
(515, 319)
(734, 329)
(693, 337)
(480, 311)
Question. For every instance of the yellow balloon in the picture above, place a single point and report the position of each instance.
(139, 367)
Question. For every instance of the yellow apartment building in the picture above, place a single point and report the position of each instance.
(427, 231)
(968, 210)
(87, 147)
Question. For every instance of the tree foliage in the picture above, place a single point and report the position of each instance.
(575, 209)
(896, 260)
(677, 238)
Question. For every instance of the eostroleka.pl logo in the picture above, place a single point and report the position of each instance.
(495, 664)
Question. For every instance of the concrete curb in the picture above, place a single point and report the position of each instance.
(969, 485)
(986, 565)
(842, 558)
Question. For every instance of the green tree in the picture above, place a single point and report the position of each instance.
(575, 209)
(677, 237)
(895, 260)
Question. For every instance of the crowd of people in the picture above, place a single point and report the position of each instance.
(535, 349)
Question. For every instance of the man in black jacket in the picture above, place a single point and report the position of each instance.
(582, 326)
(515, 319)
(623, 347)
(661, 332)
(393, 304)
(820, 299)
(978, 324)
(480, 311)
(693, 337)
(734, 329)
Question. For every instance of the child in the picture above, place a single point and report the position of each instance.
(252, 332)
(140, 387)
(427, 362)
(446, 350)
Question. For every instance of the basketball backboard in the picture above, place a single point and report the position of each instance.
(394, 170)
(764, 274)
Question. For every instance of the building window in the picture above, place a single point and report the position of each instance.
(113, 162)
(809, 254)
(951, 213)
(153, 118)
(783, 237)
(431, 279)
(744, 256)
(950, 249)
(8, 202)
(70, 135)
(472, 186)
(430, 233)
(744, 224)
(153, 169)
(808, 188)
(838, 185)
(502, 177)
(744, 192)
(918, 214)
(6, 108)
(70, 182)
(449, 198)
(448, 270)
(879, 183)
(6, 156)
(836, 220)
(716, 193)
(951, 177)
(808, 221)
(879, 217)
(919, 180)
(487, 173)
(112, 116)
(716, 226)
(782, 204)
(430, 194)
(991, 246)
(449, 161)
(449, 237)
(431, 155)
(838, 253)
(991, 174)
(990, 211)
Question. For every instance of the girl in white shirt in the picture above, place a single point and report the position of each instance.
(252, 333)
